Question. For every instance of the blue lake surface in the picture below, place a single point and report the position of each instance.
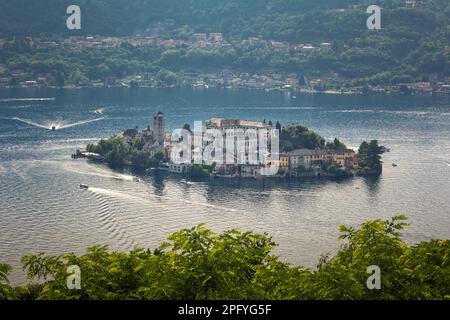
(43, 210)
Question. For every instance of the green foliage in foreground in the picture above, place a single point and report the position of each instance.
(200, 264)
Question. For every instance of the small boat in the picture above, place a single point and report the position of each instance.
(53, 128)
(84, 186)
(186, 182)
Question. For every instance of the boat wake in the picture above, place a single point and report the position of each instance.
(208, 205)
(58, 125)
(29, 122)
(117, 194)
(109, 219)
(79, 123)
(98, 171)
(26, 99)
(143, 200)
(2, 169)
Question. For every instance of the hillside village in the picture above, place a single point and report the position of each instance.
(227, 77)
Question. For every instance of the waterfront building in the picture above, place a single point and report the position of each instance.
(250, 171)
(239, 154)
(251, 130)
(345, 158)
(305, 158)
(216, 37)
(412, 3)
(200, 36)
(325, 45)
(236, 124)
(284, 162)
(314, 159)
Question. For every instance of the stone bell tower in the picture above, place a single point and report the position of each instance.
(158, 127)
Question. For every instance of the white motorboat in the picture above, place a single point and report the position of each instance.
(186, 182)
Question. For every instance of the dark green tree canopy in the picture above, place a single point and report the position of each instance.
(198, 263)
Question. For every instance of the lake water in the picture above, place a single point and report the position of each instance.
(42, 208)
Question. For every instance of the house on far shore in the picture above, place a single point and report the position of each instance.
(200, 36)
(412, 3)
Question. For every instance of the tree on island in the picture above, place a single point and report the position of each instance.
(335, 145)
(119, 153)
(298, 137)
(155, 161)
(187, 127)
(278, 126)
(369, 157)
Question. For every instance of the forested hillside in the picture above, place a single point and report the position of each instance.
(291, 20)
(413, 44)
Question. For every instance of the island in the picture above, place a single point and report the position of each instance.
(301, 153)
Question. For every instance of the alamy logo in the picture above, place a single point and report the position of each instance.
(374, 281)
(252, 143)
(374, 21)
(73, 22)
(74, 278)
